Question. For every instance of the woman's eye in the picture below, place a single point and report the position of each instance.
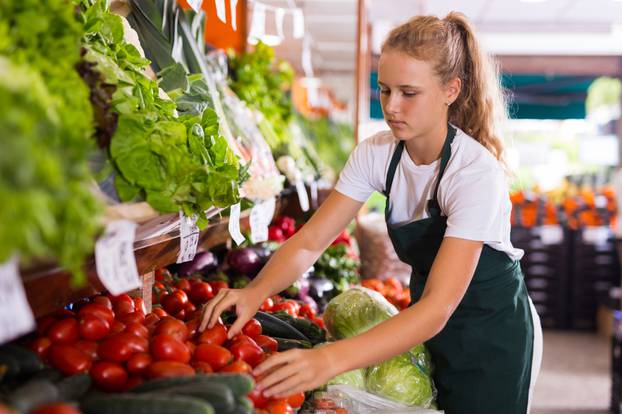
(385, 91)
(409, 94)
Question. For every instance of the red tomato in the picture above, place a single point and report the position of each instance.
(238, 366)
(279, 407)
(167, 348)
(247, 350)
(216, 335)
(162, 275)
(201, 292)
(181, 315)
(41, 346)
(215, 355)
(151, 320)
(109, 376)
(190, 308)
(56, 408)
(183, 284)
(122, 307)
(123, 297)
(259, 400)
(44, 324)
(267, 305)
(192, 325)
(267, 343)
(285, 306)
(164, 369)
(202, 367)
(217, 285)
(100, 310)
(69, 360)
(252, 328)
(276, 234)
(120, 347)
(173, 327)
(89, 348)
(132, 317)
(93, 328)
(116, 327)
(296, 400)
(307, 311)
(133, 382)
(319, 322)
(174, 302)
(138, 363)
(191, 347)
(64, 331)
(158, 311)
(139, 305)
(159, 286)
(103, 300)
(137, 329)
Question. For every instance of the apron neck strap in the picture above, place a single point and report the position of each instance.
(397, 155)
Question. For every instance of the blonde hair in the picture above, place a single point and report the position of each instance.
(450, 43)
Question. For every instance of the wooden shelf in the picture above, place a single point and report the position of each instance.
(49, 288)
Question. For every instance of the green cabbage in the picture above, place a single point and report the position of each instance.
(354, 378)
(401, 379)
(356, 311)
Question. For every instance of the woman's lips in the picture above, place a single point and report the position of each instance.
(397, 124)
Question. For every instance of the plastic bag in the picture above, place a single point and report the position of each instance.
(362, 402)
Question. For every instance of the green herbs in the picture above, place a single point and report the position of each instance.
(337, 266)
(45, 135)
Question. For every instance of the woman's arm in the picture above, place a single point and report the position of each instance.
(291, 260)
(449, 278)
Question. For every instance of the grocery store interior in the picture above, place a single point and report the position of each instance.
(155, 153)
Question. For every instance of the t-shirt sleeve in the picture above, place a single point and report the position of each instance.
(356, 179)
(475, 201)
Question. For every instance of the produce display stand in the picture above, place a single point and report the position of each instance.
(48, 287)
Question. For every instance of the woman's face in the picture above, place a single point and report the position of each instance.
(412, 97)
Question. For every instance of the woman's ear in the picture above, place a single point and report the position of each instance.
(452, 90)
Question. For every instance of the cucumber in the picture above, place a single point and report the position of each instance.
(145, 404)
(309, 329)
(73, 387)
(18, 361)
(218, 395)
(244, 406)
(33, 394)
(287, 344)
(239, 384)
(273, 326)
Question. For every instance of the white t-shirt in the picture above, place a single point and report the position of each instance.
(473, 192)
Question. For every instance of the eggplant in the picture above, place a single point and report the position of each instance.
(203, 262)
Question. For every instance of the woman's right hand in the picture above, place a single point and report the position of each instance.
(246, 301)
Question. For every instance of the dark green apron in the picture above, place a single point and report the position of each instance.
(482, 357)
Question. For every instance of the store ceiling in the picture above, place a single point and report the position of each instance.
(508, 27)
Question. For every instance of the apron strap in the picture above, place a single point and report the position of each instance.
(397, 155)
(434, 209)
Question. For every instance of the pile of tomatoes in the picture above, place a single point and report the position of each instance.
(120, 346)
(391, 289)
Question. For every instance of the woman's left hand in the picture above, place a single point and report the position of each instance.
(294, 371)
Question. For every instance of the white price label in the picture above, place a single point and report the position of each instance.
(313, 191)
(16, 317)
(303, 198)
(596, 235)
(234, 225)
(114, 257)
(221, 12)
(261, 216)
(188, 238)
(551, 234)
(195, 5)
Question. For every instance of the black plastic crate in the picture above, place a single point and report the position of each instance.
(616, 363)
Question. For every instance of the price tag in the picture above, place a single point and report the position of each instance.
(188, 237)
(221, 11)
(313, 191)
(261, 216)
(303, 198)
(114, 257)
(551, 234)
(233, 4)
(596, 235)
(195, 5)
(16, 317)
(234, 225)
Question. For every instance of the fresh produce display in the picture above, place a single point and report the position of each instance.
(173, 162)
(45, 135)
(405, 378)
(392, 289)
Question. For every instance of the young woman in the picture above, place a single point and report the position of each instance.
(448, 215)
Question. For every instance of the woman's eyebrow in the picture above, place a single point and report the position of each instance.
(401, 86)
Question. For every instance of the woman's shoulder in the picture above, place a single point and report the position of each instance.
(380, 141)
(471, 154)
